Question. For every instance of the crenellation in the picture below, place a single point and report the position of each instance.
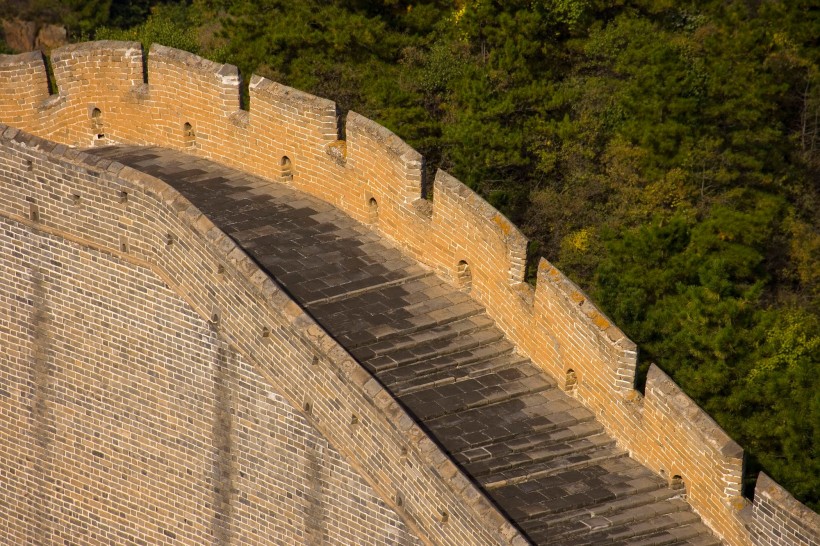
(391, 168)
(777, 519)
(192, 104)
(24, 89)
(505, 247)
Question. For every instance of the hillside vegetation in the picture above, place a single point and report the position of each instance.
(664, 154)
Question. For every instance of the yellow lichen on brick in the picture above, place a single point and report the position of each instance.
(503, 224)
(600, 321)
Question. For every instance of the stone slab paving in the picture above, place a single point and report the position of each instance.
(536, 452)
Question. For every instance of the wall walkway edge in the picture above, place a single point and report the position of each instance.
(378, 179)
(338, 380)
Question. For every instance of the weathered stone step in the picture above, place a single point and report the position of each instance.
(606, 508)
(527, 471)
(705, 538)
(553, 454)
(665, 529)
(507, 377)
(527, 414)
(449, 363)
(522, 442)
(403, 357)
(476, 370)
(676, 528)
(594, 526)
(332, 283)
(330, 278)
(358, 288)
(393, 311)
(421, 322)
(459, 397)
(274, 211)
(575, 489)
(436, 334)
(335, 270)
(358, 331)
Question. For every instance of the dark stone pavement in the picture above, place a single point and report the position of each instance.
(538, 453)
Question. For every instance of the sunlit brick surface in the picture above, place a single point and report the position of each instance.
(192, 105)
(125, 420)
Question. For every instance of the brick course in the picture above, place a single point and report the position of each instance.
(192, 104)
(777, 519)
(128, 411)
(184, 295)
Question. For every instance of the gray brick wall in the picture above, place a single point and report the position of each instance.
(125, 419)
(114, 215)
(778, 519)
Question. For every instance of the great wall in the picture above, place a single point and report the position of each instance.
(176, 370)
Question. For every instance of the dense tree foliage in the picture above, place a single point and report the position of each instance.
(665, 155)
(80, 17)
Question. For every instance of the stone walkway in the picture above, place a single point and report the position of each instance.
(538, 453)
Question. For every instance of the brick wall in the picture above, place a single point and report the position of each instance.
(162, 386)
(777, 519)
(156, 434)
(24, 93)
(378, 179)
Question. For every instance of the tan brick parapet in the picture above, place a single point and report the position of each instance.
(192, 104)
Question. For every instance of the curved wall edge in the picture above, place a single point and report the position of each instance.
(777, 518)
(193, 105)
(386, 446)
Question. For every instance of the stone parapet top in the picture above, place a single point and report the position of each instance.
(101, 46)
(586, 310)
(507, 231)
(226, 73)
(387, 138)
(21, 59)
(767, 487)
(289, 95)
(691, 415)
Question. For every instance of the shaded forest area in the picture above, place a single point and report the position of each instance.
(664, 154)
